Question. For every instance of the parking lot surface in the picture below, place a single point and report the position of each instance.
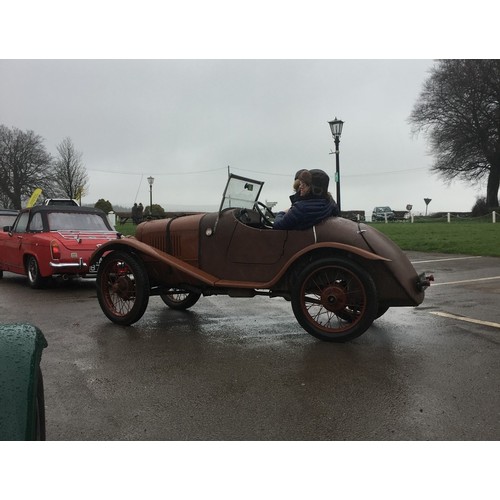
(243, 369)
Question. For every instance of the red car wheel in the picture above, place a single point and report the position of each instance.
(33, 271)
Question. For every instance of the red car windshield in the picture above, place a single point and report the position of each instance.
(62, 221)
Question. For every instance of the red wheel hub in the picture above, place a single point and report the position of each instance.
(334, 298)
(123, 287)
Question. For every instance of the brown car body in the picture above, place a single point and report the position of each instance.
(347, 272)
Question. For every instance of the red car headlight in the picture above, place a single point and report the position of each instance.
(55, 249)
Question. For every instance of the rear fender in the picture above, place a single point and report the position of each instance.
(338, 248)
(365, 254)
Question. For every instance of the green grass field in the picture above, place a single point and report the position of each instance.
(469, 238)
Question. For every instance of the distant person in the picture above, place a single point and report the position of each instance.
(135, 210)
(313, 204)
(140, 212)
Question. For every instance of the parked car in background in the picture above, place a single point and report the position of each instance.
(61, 201)
(382, 213)
(340, 275)
(22, 408)
(7, 216)
(53, 240)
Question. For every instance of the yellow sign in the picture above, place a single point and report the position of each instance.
(36, 193)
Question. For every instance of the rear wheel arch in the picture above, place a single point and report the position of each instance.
(322, 253)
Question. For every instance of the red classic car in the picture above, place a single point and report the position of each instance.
(52, 240)
(339, 275)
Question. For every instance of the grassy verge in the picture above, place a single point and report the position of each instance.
(469, 238)
(128, 229)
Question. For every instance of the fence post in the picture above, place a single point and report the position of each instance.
(494, 216)
(448, 217)
(112, 218)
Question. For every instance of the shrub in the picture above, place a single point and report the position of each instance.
(104, 205)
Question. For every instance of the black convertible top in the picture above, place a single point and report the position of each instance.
(63, 208)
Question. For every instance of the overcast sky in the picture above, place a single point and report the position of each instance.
(182, 93)
(185, 121)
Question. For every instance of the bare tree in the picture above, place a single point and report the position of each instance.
(459, 109)
(70, 176)
(24, 165)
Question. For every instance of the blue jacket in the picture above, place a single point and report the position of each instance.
(306, 213)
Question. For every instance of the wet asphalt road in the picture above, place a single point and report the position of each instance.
(243, 369)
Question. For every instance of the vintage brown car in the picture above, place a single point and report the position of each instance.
(339, 275)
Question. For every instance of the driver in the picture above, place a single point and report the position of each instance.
(313, 205)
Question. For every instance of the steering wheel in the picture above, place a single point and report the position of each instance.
(266, 215)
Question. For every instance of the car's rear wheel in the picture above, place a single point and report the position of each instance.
(179, 299)
(334, 299)
(36, 280)
(122, 287)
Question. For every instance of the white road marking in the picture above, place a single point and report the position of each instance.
(464, 318)
(465, 281)
(442, 260)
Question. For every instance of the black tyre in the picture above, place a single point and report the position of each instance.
(122, 287)
(381, 311)
(334, 299)
(179, 299)
(35, 279)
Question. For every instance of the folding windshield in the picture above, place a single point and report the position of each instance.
(240, 192)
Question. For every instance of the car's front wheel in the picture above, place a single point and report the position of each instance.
(122, 287)
(179, 299)
(36, 280)
(334, 299)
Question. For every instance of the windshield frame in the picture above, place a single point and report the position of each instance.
(236, 189)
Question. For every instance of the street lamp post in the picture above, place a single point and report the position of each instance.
(151, 180)
(336, 128)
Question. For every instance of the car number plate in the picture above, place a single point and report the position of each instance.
(94, 267)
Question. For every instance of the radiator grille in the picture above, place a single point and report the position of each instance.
(156, 241)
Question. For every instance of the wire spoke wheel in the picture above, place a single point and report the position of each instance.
(334, 299)
(122, 288)
(177, 298)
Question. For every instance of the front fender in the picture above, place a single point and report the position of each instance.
(126, 244)
(135, 246)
